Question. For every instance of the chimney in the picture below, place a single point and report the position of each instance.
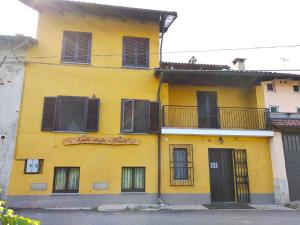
(239, 63)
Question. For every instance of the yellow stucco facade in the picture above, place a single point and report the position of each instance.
(105, 78)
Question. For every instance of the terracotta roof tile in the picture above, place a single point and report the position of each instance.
(193, 66)
(285, 123)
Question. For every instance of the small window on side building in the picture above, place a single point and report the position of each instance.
(296, 88)
(298, 109)
(270, 87)
(274, 109)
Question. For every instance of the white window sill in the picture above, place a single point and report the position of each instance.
(136, 67)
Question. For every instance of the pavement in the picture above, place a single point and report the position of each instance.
(158, 207)
(164, 217)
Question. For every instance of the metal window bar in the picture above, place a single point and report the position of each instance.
(181, 165)
(222, 117)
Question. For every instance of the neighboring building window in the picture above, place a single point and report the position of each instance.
(68, 113)
(66, 179)
(298, 109)
(296, 88)
(274, 109)
(181, 165)
(270, 87)
(33, 166)
(133, 179)
(135, 52)
(139, 116)
(76, 47)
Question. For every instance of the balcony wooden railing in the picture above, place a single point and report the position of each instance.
(220, 117)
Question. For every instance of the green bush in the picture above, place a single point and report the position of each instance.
(7, 217)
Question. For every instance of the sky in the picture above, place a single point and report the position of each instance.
(204, 25)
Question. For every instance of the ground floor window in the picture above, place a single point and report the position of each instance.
(133, 179)
(66, 179)
(181, 165)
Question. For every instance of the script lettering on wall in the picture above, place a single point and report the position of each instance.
(100, 141)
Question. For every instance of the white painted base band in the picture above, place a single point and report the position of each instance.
(218, 132)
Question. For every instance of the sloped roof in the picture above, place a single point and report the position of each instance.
(165, 18)
(220, 77)
(17, 40)
(284, 123)
(193, 66)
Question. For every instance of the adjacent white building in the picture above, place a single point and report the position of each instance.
(12, 52)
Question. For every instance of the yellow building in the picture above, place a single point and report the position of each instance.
(89, 129)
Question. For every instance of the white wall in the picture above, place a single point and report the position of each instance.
(283, 96)
(11, 86)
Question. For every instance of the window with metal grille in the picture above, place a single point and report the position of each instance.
(135, 52)
(68, 113)
(76, 47)
(139, 116)
(181, 165)
(66, 179)
(133, 179)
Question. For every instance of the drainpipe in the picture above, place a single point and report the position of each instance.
(163, 16)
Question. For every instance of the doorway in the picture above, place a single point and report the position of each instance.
(221, 175)
(207, 109)
(229, 175)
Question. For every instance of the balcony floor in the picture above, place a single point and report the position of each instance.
(217, 132)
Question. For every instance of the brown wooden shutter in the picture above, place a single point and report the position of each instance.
(127, 116)
(154, 117)
(48, 121)
(93, 114)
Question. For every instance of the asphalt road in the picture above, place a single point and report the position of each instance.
(207, 217)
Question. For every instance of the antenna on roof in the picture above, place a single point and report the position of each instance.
(193, 60)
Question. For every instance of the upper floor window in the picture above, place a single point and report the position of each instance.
(298, 109)
(270, 87)
(135, 52)
(274, 109)
(68, 113)
(139, 116)
(296, 88)
(76, 47)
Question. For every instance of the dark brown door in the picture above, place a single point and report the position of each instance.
(221, 175)
(207, 109)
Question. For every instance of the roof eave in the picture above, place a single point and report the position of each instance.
(156, 15)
